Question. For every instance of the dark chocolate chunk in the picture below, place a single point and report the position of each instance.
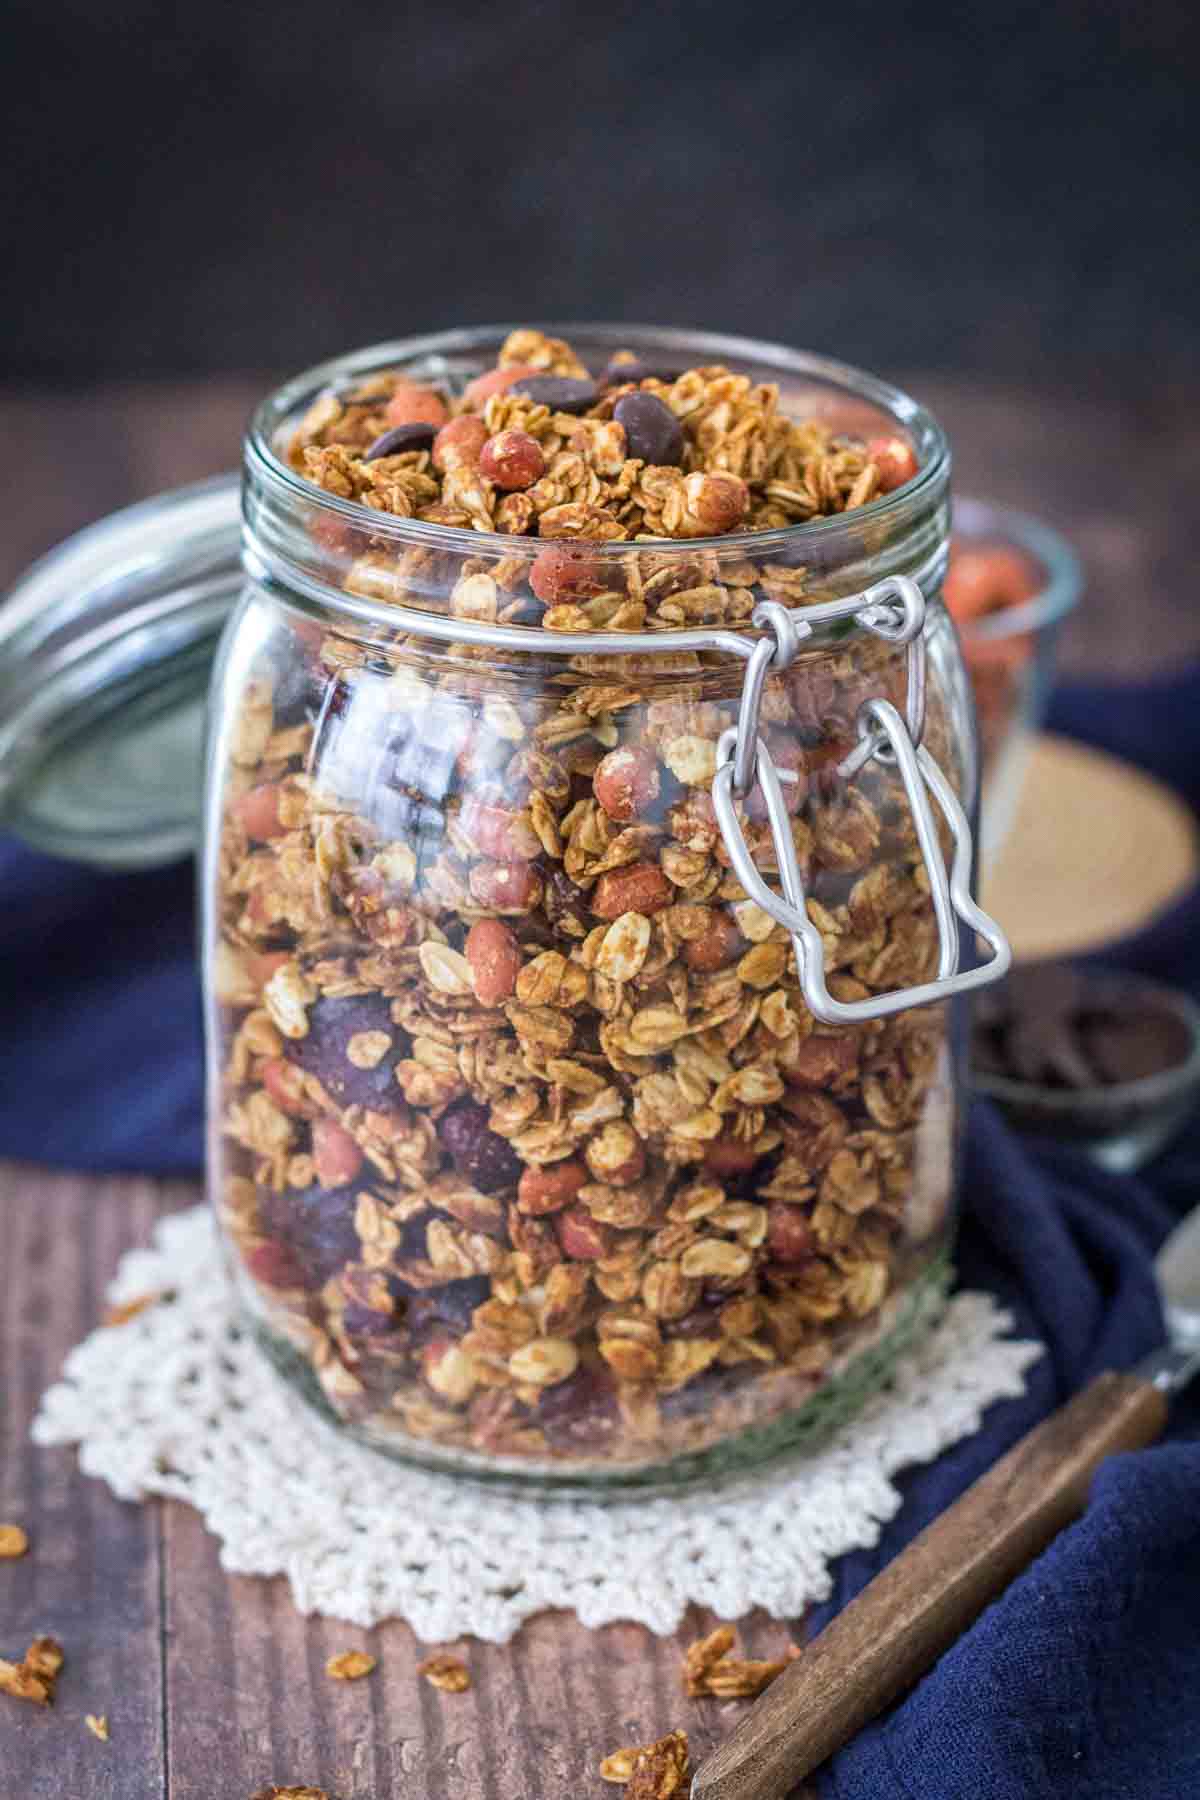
(567, 905)
(1059, 1027)
(561, 393)
(652, 432)
(1127, 1047)
(399, 439)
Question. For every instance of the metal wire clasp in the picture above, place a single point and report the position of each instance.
(894, 609)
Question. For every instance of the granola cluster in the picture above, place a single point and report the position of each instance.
(658, 1771)
(537, 446)
(710, 1669)
(529, 1146)
(532, 1145)
(35, 1677)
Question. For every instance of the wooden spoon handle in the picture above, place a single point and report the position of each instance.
(898, 1626)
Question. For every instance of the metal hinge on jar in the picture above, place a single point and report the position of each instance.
(895, 610)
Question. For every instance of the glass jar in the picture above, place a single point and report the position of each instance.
(582, 978)
(533, 1152)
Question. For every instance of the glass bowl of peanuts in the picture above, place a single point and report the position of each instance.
(1011, 585)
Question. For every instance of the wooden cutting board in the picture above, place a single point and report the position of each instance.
(1096, 849)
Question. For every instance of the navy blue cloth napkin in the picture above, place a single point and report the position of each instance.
(1083, 1681)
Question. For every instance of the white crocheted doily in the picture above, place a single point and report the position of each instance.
(178, 1402)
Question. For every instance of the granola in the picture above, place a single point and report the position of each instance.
(35, 1676)
(349, 1665)
(448, 1673)
(529, 1146)
(636, 454)
(274, 1792)
(651, 1771)
(709, 1668)
(131, 1309)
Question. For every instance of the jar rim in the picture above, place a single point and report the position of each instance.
(263, 462)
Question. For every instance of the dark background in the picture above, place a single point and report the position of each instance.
(1005, 190)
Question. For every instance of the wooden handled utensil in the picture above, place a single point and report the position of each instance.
(898, 1626)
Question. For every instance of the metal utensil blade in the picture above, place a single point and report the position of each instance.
(1178, 1268)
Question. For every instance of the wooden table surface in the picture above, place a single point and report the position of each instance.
(214, 1685)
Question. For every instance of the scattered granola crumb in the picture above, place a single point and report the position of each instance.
(45, 1657)
(650, 1771)
(449, 1673)
(97, 1724)
(22, 1684)
(734, 1680)
(129, 1309)
(709, 1669)
(700, 1657)
(273, 1792)
(13, 1541)
(33, 1678)
(350, 1665)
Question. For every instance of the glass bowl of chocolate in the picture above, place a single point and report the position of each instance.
(1107, 1060)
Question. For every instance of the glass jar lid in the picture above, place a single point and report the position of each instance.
(106, 647)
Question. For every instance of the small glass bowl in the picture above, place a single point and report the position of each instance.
(1011, 652)
(1123, 1125)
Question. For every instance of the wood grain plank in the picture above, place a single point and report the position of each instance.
(91, 1578)
(249, 1701)
(223, 1687)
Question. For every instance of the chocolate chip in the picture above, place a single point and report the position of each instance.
(567, 905)
(619, 372)
(401, 438)
(652, 432)
(1056, 1026)
(1129, 1046)
(561, 393)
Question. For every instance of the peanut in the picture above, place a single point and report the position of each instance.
(495, 958)
(642, 888)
